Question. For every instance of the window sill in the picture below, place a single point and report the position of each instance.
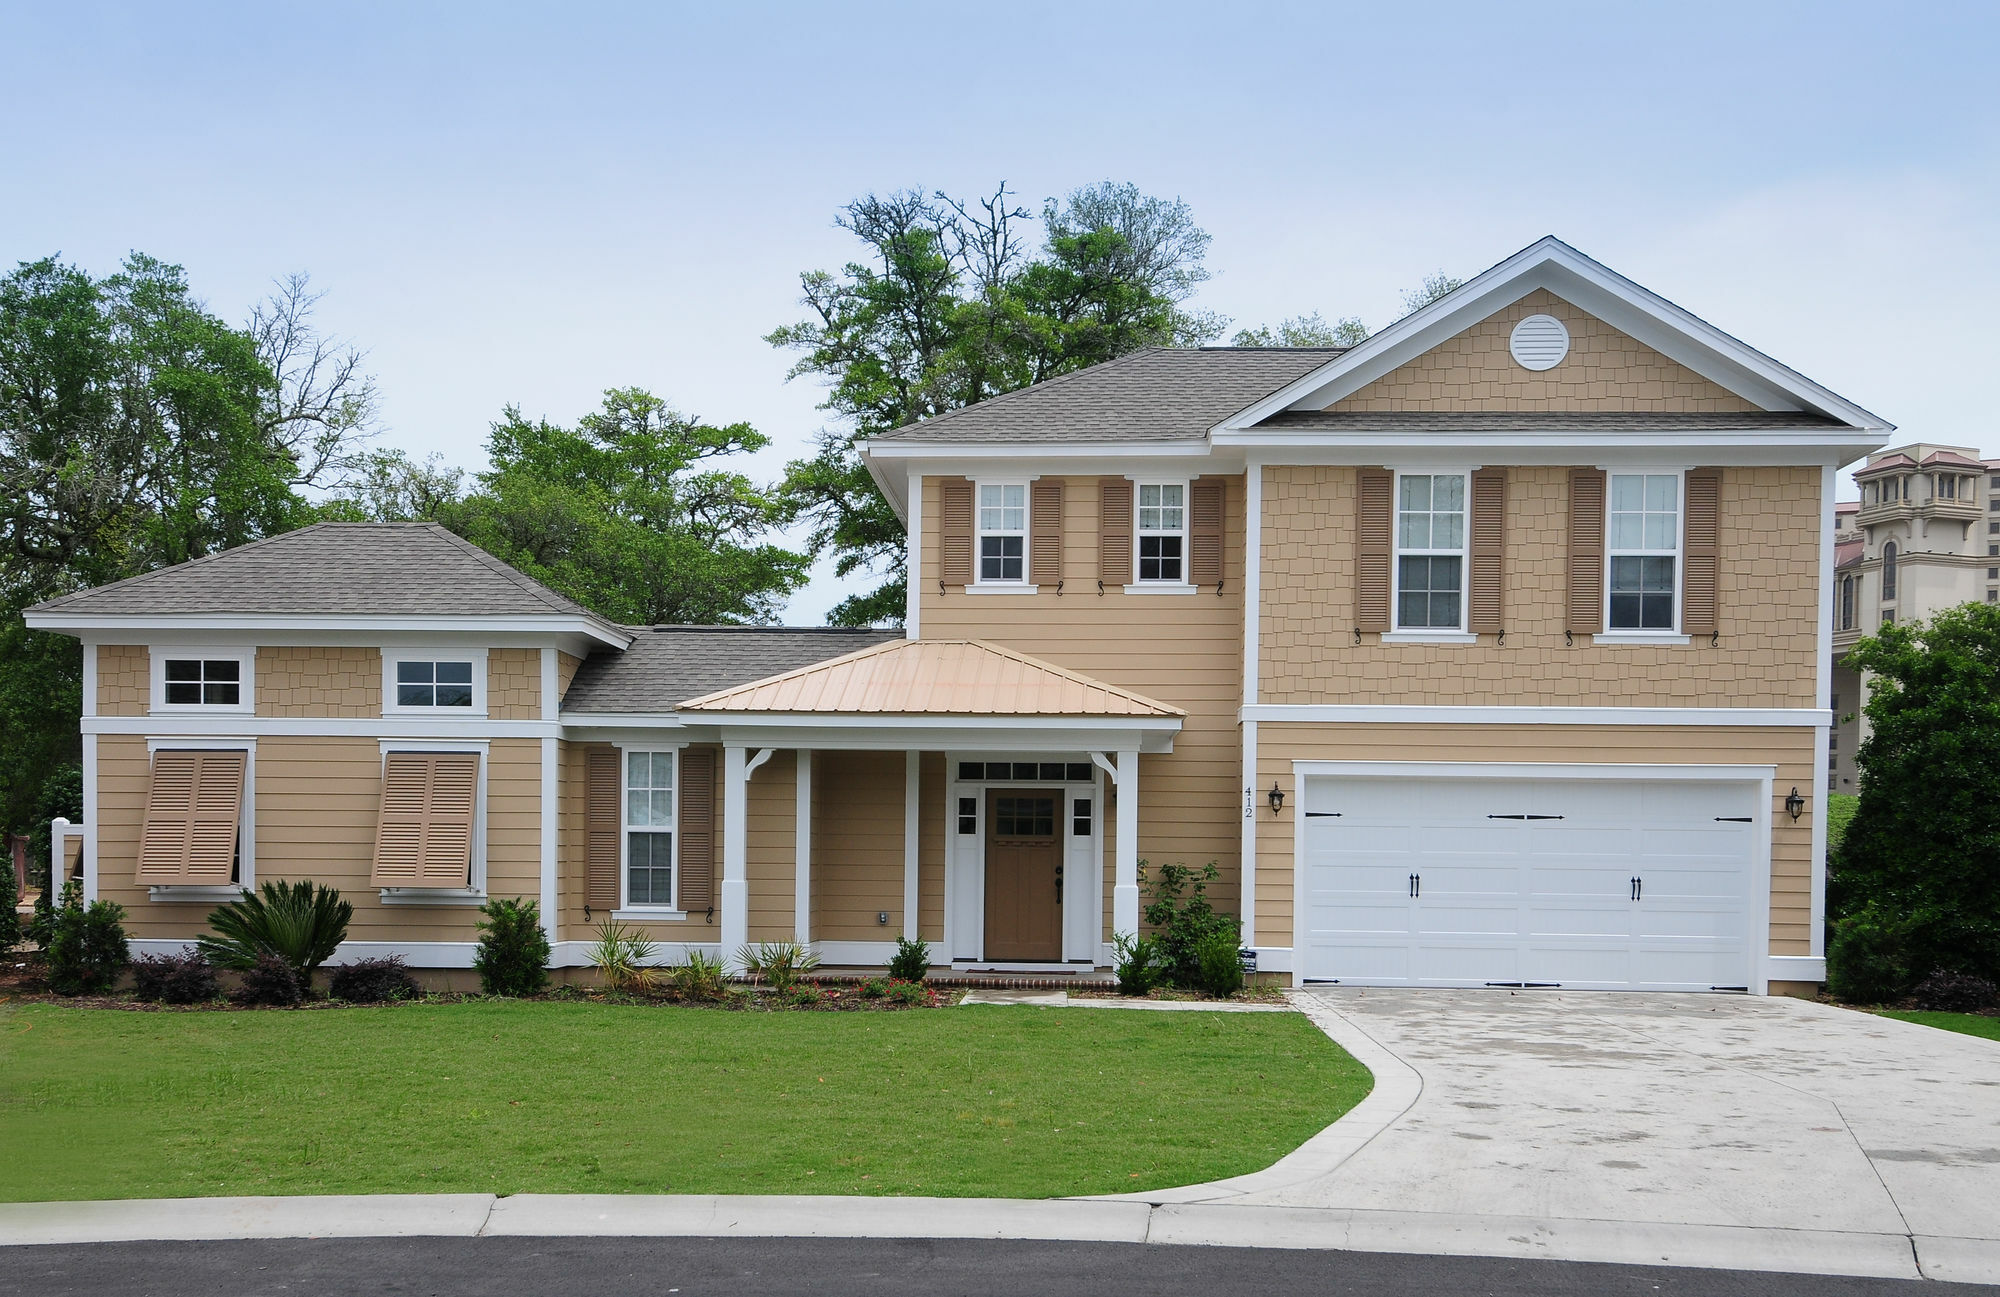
(201, 709)
(432, 896)
(437, 713)
(644, 914)
(1429, 637)
(1162, 587)
(1640, 637)
(997, 588)
(194, 893)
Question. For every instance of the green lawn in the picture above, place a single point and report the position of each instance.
(1840, 808)
(1972, 1024)
(571, 1098)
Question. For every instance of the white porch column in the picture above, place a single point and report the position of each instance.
(736, 772)
(802, 852)
(1125, 885)
(912, 785)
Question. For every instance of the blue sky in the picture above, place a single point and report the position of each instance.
(530, 204)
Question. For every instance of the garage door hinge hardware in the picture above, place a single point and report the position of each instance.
(1732, 819)
(1314, 815)
(1524, 817)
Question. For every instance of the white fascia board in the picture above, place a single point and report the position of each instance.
(1397, 714)
(1552, 264)
(572, 721)
(262, 629)
(898, 468)
(948, 733)
(1529, 770)
(1753, 448)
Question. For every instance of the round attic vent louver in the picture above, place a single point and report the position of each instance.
(1539, 342)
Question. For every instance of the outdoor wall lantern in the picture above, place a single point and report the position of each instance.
(1795, 803)
(1277, 796)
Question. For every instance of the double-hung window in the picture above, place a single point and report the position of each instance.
(1430, 551)
(649, 829)
(1163, 532)
(1645, 551)
(1003, 533)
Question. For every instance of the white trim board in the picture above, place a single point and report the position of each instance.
(1400, 714)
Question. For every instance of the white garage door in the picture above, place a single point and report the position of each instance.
(1616, 883)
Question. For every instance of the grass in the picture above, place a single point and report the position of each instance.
(568, 1098)
(1840, 808)
(1972, 1024)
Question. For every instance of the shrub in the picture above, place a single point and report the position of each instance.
(1865, 961)
(699, 978)
(901, 992)
(271, 980)
(513, 954)
(1218, 967)
(183, 978)
(1183, 921)
(911, 960)
(373, 981)
(10, 900)
(1947, 992)
(301, 923)
(874, 988)
(1136, 962)
(804, 995)
(87, 948)
(42, 925)
(779, 963)
(624, 959)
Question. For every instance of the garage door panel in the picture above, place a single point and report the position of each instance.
(1529, 900)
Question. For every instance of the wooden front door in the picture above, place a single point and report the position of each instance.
(1024, 875)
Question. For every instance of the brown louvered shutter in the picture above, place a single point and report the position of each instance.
(601, 822)
(697, 828)
(193, 811)
(955, 531)
(424, 835)
(1206, 504)
(1586, 551)
(1045, 504)
(1486, 614)
(1114, 531)
(1702, 551)
(1374, 511)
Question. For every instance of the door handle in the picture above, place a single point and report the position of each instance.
(1638, 888)
(1416, 884)
(1059, 881)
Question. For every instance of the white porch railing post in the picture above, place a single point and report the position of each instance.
(1125, 886)
(58, 845)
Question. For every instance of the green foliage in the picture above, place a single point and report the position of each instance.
(513, 953)
(1921, 857)
(698, 978)
(951, 307)
(1867, 961)
(1135, 962)
(1304, 331)
(373, 981)
(87, 948)
(182, 978)
(628, 513)
(1218, 966)
(1840, 809)
(300, 923)
(779, 963)
(874, 988)
(624, 959)
(1180, 914)
(911, 960)
(270, 980)
(10, 900)
(1949, 992)
(910, 993)
(803, 995)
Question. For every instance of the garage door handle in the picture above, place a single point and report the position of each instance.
(1638, 888)
(1732, 819)
(1416, 884)
(1314, 815)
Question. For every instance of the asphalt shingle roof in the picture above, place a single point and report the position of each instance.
(380, 569)
(1160, 394)
(667, 665)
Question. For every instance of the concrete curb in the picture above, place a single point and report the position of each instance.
(805, 1216)
(388, 1215)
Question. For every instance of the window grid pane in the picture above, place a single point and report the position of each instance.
(434, 684)
(1644, 539)
(1162, 532)
(1430, 540)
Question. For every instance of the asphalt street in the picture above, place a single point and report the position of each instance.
(684, 1267)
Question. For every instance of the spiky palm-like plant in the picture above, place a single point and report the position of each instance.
(301, 923)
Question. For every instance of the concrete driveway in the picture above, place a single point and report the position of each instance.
(1675, 1110)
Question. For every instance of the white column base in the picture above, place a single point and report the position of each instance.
(735, 921)
(1125, 909)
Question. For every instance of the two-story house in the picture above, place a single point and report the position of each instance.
(1491, 651)
(1923, 537)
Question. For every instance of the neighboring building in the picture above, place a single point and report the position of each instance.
(1493, 650)
(1923, 537)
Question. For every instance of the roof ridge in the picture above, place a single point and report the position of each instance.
(503, 568)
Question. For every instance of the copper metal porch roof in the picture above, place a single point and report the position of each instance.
(932, 678)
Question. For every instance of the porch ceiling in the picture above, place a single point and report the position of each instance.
(934, 678)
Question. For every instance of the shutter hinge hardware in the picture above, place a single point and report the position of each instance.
(586, 912)
(1100, 587)
(940, 587)
(1357, 635)
(1569, 639)
(1059, 586)
(1503, 635)
(710, 916)
(1218, 589)
(1715, 639)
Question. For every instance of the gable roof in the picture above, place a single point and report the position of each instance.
(666, 664)
(1161, 394)
(333, 569)
(932, 678)
(1550, 263)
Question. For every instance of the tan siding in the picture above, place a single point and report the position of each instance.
(1605, 370)
(295, 680)
(571, 871)
(514, 684)
(124, 680)
(1186, 650)
(566, 666)
(1767, 607)
(857, 846)
(514, 819)
(770, 809)
(1792, 751)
